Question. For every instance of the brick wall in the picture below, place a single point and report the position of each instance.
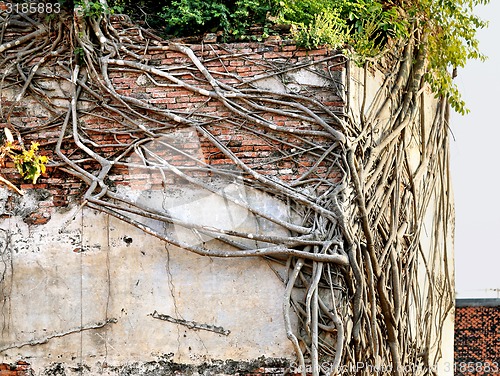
(18, 369)
(235, 64)
(477, 337)
(280, 155)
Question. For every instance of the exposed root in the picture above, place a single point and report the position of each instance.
(355, 254)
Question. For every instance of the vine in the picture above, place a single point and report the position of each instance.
(354, 259)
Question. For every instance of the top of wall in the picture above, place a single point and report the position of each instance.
(486, 302)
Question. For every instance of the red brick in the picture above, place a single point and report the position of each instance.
(242, 69)
(247, 74)
(198, 98)
(218, 69)
(162, 100)
(236, 63)
(301, 53)
(273, 55)
(129, 81)
(156, 94)
(212, 63)
(176, 106)
(180, 93)
(477, 338)
(126, 92)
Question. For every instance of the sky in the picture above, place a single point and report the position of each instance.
(475, 166)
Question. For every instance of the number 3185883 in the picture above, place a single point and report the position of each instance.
(33, 8)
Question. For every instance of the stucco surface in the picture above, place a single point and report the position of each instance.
(84, 288)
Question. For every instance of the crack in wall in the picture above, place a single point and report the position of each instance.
(43, 340)
(172, 293)
(179, 318)
(6, 272)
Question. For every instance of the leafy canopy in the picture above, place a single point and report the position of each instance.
(444, 29)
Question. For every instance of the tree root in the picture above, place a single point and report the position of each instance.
(355, 256)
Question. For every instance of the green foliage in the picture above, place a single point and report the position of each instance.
(145, 12)
(451, 27)
(302, 12)
(95, 9)
(246, 13)
(79, 55)
(364, 24)
(30, 164)
(445, 29)
(324, 29)
(194, 17)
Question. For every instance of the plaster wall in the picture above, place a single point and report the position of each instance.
(436, 255)
(86, 289)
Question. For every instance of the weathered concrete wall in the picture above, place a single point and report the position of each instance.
(88, 289)
(436, 255)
